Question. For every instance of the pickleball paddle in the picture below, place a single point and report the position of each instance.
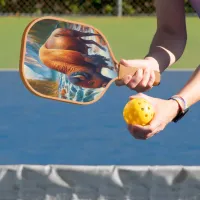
(69, 61)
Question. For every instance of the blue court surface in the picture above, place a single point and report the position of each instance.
(34, 130)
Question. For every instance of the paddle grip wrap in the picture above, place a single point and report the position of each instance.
(124, 71)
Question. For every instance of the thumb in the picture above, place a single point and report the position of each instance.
(133, 63)
(139, 95)
(153, 101)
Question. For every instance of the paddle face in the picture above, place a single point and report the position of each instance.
(66, 61)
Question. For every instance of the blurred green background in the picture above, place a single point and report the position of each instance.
(129, 38)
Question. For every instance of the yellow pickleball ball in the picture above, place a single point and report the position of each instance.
(138, 111)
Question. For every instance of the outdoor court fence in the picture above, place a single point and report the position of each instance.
(81, 7)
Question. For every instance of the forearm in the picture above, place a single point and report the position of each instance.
(166, 48)
(191, 91)
(169, 41)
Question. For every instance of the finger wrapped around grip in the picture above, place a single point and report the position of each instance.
(124, 71)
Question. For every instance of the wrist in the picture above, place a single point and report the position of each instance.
(153, 63)
(182, 107)
(181, 102)
(175, 107)
(163, 57)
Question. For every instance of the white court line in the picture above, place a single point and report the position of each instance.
(8, 70)
(179, 69)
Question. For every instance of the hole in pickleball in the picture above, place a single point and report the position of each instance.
(142, 108)
(146, 115)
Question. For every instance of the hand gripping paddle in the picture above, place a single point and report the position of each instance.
(69, 61)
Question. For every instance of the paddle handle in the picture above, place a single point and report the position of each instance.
(123, 71)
